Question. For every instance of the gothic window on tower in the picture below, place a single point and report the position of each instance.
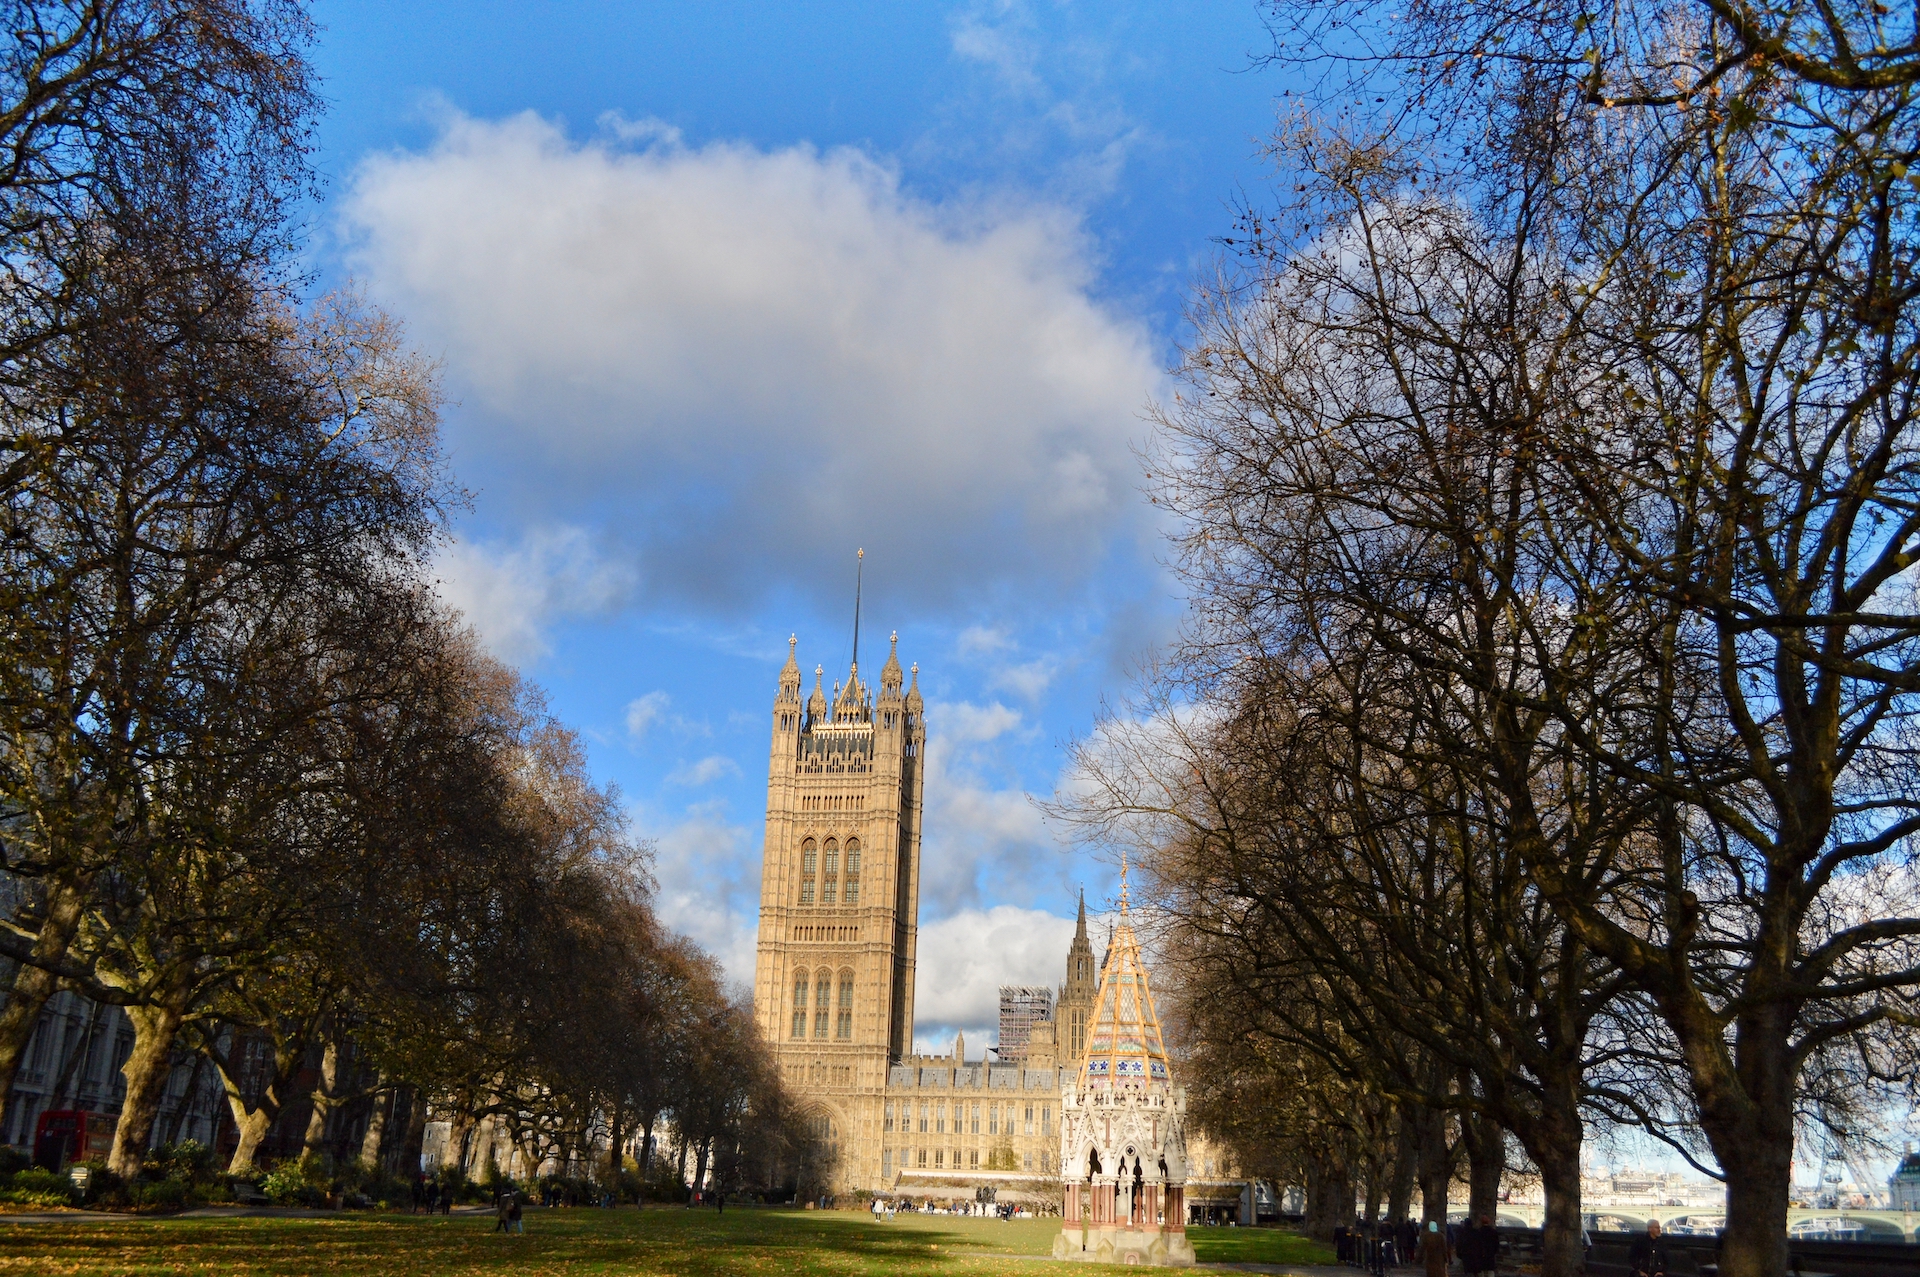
(800, 1005)
(852, 894)
(822, 1004)
(830, 873)
(843, 1017)
(809, 862)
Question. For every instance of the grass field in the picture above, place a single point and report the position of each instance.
(773, 1243)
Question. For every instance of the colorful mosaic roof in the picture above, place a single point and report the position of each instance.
(1124, 1048)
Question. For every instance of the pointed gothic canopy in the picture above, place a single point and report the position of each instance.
(1124, 1048)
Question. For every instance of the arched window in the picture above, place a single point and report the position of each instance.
(843, 1020)
(822, 1004)
(800, 1005)
(852, 893)
(830, 873)
(809, 861)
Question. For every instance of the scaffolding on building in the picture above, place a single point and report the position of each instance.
(1021, 1007)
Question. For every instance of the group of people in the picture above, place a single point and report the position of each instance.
(428, 1195)
(1476, 1246)
(506, 1213)
(1433, 1248)
(885, 1209)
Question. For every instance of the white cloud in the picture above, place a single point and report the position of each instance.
(963, 960)
(511, 594)
(1052, 94)
(959, 721)
(704, 772)
(709, 885)
(984, 839)
(742, 362)
(981, 640)
(644, 711)
(1030, 680)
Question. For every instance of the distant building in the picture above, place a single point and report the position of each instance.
(1021, 1007)
(1903, 1187)
(835, 966)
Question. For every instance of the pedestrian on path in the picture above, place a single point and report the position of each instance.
(1435, 1254)
(1480, 1247)
(502, 1219)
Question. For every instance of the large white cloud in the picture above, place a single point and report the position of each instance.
(509, 595)
(736, 363)
(963, 960)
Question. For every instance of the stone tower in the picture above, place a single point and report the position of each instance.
(1123, 1126)
(840, 897)
(1074, 1010)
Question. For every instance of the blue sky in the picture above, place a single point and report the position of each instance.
(723, 291)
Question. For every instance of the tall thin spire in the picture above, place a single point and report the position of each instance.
(859, 573)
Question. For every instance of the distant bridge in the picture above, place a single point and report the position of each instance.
(1881, 1225)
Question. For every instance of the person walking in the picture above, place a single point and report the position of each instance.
(1435, 1254)
(515, 1222)
(1480, 1247)
(501, 1222)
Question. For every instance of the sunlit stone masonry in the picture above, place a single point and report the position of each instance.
(1123, 1127)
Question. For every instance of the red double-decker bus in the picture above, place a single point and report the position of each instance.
(64, 1136)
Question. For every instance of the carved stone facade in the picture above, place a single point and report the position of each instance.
(1123, 1127)
(839, 899)
(834, 966)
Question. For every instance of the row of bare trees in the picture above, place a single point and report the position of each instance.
(257, 787)
(1541, 748)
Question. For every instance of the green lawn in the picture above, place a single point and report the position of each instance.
(775, 1243)
(1256, 1246)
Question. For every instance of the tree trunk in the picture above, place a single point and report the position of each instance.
(1561, 1254)
(1400, 1190)
(700, 1166)
(252, 1126)
(1435, 1164)
(324, 1101)
(614, 1160)
(459, 1138)
(185, 1108)
(146, 1072)
(1376, 1188)
(32, 985)
(1329, 1192)
(1486, 1162)
(251, 1121)
(680, 1165)
(376, 1131)
(413, 1144)
(1758, 1176)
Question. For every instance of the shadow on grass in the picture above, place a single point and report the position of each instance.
(778, 1243)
